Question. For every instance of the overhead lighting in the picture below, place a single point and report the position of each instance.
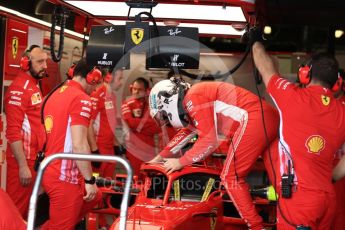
(338, 33)
(38, 21)
(267, 30)
(169, 11)
(212, 29)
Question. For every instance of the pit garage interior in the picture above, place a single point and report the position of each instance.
(293, 29)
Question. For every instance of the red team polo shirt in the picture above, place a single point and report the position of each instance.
(69, 105)
(140, 128)
(311, 130)
(23, 101)
(104, 114)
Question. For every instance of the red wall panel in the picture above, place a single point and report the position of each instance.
(16, 43)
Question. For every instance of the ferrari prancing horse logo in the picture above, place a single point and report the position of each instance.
(137, 35)
(325, 100)
(14, 47)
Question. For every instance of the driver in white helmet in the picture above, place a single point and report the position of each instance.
(209, 109)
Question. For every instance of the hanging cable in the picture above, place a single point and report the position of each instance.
(258, 80)
(176, 70)
(84, 37)
(59, 17)
(223, 76)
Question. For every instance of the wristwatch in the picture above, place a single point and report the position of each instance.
(92, 180)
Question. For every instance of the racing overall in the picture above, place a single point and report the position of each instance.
(217, 108)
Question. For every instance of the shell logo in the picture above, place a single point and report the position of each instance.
(315, 144)
(48, 123)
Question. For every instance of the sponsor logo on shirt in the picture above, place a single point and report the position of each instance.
(325, 100)
(16, 92)
(16, 98)
(108, 105)
(86, 108)
(36, 98)
(315, 144)
(15, 103)
(85, 102)
(176, 139)
(137, 112)
(189, 105)
(282, 83)
(63, 88)
(84, 114)
(202, 155)
(48, 123)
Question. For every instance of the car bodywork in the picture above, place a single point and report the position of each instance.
(190, 198)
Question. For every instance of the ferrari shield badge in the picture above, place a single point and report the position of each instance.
(325, 100)
(137, 35)
(14, 47)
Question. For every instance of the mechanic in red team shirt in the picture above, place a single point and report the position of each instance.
(10, 218)
(311, 130)
(103, 122)
(339, 185)
(24, 133)
(69, 184)
(141, 128)
(209, 109)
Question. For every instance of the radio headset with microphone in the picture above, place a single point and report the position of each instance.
(92, 78)
(25, 61)
(304, 77)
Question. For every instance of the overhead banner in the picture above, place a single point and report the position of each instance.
(136, 35)
(106, 47)
(176, 47)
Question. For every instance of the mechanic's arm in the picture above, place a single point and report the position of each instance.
(263, 62)
(180, 139)
(339, 170)
(127, 116)
(202, 114)
(14, 119)
(91, 137)
(139, 124)
(24, 170)
(80, 145)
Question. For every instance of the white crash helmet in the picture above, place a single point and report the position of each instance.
(165, 102)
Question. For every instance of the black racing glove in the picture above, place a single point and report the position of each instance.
(119, 150)
(255, 34)
(96, 164)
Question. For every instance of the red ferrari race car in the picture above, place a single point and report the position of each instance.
(190, 198)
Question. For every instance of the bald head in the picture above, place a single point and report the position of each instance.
(38, 60)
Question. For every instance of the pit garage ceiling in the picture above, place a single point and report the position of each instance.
(297, 25)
